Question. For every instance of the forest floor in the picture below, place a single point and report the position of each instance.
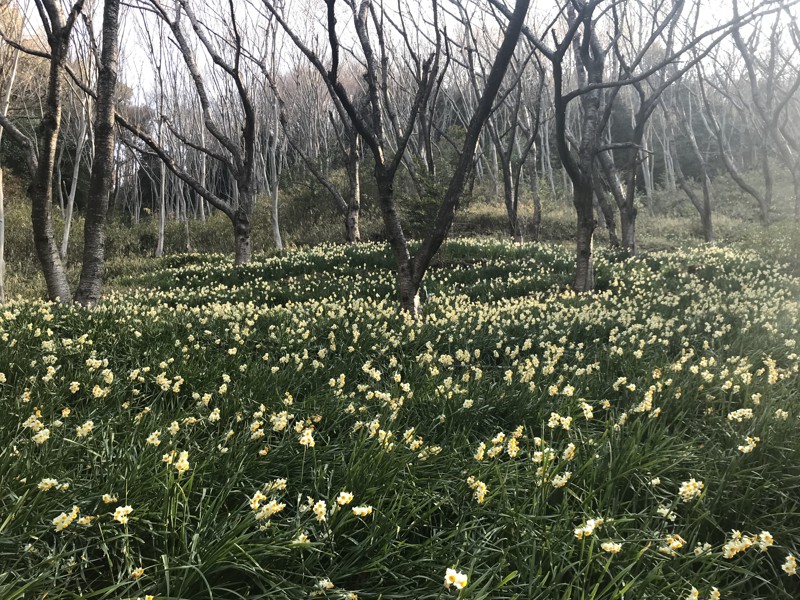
(280, 431)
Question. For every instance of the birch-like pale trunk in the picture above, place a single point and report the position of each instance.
(162, 198)
(4, 111)
(274, 159)
(73, 188)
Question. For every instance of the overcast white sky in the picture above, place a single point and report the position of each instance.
(308, 15)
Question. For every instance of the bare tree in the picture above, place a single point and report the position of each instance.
(235, 152)
(370, 124)
(513, 140)
(597, 92)
(767, 102)
(680, 111)
(717, 131)
(349, 143)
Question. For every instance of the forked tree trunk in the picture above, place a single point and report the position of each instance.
(713, 126)
(512, 204)
(407, 285)
(408, 290)
(93, 269)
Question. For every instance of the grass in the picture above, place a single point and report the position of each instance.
(509, 437)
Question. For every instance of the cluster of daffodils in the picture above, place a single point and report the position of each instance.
(671, 545)
(739, 542)
(479, 489)
(749, 445)
(64, 520)
(500, 443)
(265, 507)
(121, 514)
(789, 565)
(48, 483)
(454, 578)
(588, 527)
(690, 490)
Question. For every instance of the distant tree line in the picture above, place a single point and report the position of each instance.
(599, 100)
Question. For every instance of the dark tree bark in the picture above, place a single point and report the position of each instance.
(606, 209)
(93, 268)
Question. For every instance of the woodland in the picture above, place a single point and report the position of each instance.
(488, 299)
(197, 109)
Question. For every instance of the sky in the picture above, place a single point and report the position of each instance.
(138, 70)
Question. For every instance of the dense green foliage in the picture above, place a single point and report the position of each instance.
(490, 439)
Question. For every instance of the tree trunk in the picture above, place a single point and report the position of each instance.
(352, 232)
(584, 267)
(241, 238)
(796, 182)
(647, 178)
(4, 111)
(40, 190)
(276, 226)
(608, 213)
(547, 165)
(94, 236)
(705, 214)
(566, 183)
(2, 240)
(73, 188)
(512, 204)
(704, 207)
(536, 222)
(409, 291)
(494, 172)
(407, 286)
(766, 169)
(162, 198)
(627, 219)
